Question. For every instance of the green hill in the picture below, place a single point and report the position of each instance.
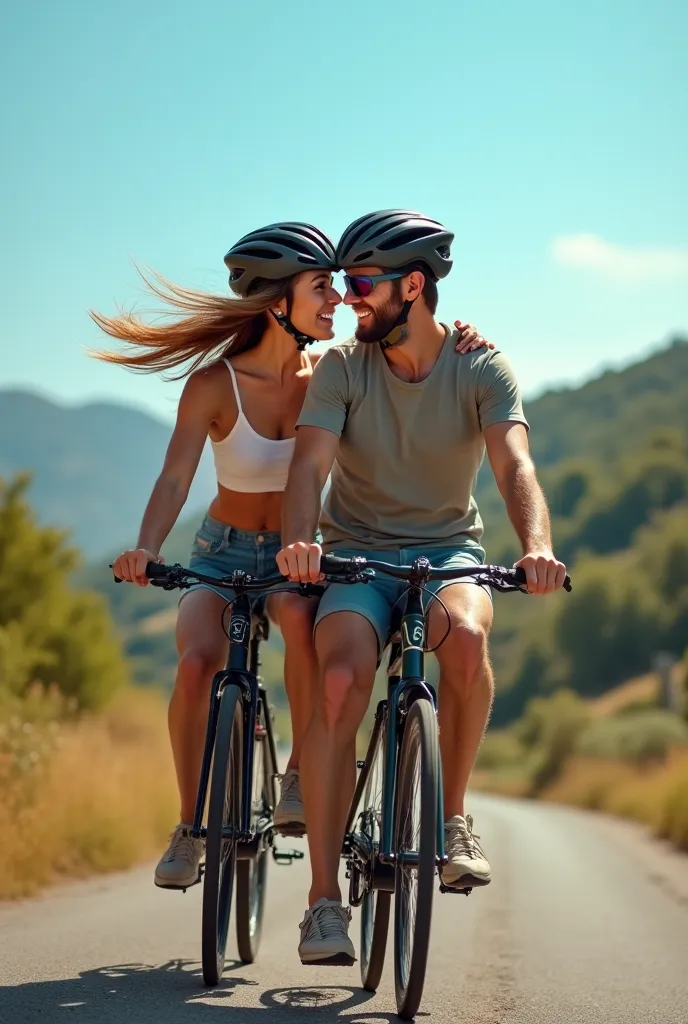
(93, 466)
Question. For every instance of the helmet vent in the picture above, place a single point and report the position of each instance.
(404, 237)
(261, 254)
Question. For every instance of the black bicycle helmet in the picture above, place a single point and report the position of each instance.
(392, 239)
(277, 251)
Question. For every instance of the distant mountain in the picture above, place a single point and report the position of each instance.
(93, 465)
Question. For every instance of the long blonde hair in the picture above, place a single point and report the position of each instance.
(214, 326)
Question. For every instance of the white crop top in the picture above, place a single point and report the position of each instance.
(247, 461)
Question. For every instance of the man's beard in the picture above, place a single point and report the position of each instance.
(381, 321)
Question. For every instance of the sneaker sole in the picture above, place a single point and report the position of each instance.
(465, 882)
(335, 960)
(290, 828)
(179, 886)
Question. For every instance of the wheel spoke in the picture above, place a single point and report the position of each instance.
(252, 873)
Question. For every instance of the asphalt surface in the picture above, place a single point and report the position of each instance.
(586, 920)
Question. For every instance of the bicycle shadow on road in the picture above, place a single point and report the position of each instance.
(174, 991)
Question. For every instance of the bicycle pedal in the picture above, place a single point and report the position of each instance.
(457, 892)
(286, 856)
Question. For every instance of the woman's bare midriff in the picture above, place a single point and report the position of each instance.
(246, 511)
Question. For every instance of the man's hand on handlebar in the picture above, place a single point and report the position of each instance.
(301, 562)
(131, 565)
(544, 572)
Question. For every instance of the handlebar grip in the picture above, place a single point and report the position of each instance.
(335, 563)
(151, 572)
(520, 577)
(156, 571)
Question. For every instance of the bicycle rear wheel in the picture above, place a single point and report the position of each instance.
(252, 874)
(224, 812)
(376, 903)
(415, 834)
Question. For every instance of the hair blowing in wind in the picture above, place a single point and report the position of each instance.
(209, 327)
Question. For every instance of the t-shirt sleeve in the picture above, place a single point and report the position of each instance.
(327, 397)
(498, 394)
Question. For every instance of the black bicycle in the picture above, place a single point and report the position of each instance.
(394, 840)
(240, 764)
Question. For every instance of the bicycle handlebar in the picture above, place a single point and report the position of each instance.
(357, 569)
(176, 577)
(515, 578)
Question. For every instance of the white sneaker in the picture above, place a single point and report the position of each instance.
(325, 935)
(180, 865)
(289, 816)
(467, 865)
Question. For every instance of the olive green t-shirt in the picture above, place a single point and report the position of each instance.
(409, 453)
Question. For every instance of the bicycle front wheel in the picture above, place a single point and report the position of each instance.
(415, 846)
(224, 822)
(252, 874)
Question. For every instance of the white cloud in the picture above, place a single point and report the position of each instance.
(631, 263)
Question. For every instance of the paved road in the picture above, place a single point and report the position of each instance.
(585, 921)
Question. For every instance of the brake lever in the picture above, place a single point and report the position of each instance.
(170, 584)
(356, 576)
(499, 583)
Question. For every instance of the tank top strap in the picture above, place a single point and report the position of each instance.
(235, 386)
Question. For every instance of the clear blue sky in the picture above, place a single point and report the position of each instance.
(551, 138)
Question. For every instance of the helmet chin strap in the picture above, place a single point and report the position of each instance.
(301, 339)
(398, 332)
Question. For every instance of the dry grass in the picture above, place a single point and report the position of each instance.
(656, 796)
(642, 690)
(80, 797)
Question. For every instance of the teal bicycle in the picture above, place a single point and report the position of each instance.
(394, 841)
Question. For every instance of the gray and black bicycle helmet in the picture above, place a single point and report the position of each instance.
(279, 251)
(276, 251)
(392, 239)
(397, 240)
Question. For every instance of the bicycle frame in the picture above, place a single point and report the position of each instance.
(243, 664)
(402, 690)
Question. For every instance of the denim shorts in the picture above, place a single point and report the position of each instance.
(219, 549)
(376, 601)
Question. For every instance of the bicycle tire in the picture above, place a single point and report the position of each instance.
(412, 931)
(224, 810)
(375, 908)
(252, 875)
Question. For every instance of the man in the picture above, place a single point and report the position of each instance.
(404, 427)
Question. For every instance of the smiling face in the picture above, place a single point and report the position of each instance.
(313, 304)
(378, 312)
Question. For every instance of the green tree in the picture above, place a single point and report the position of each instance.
(549, 729)
(49, 633)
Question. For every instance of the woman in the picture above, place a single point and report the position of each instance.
(247, 371)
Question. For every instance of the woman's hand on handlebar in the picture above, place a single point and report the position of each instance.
(301, 562)
(131, 565)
